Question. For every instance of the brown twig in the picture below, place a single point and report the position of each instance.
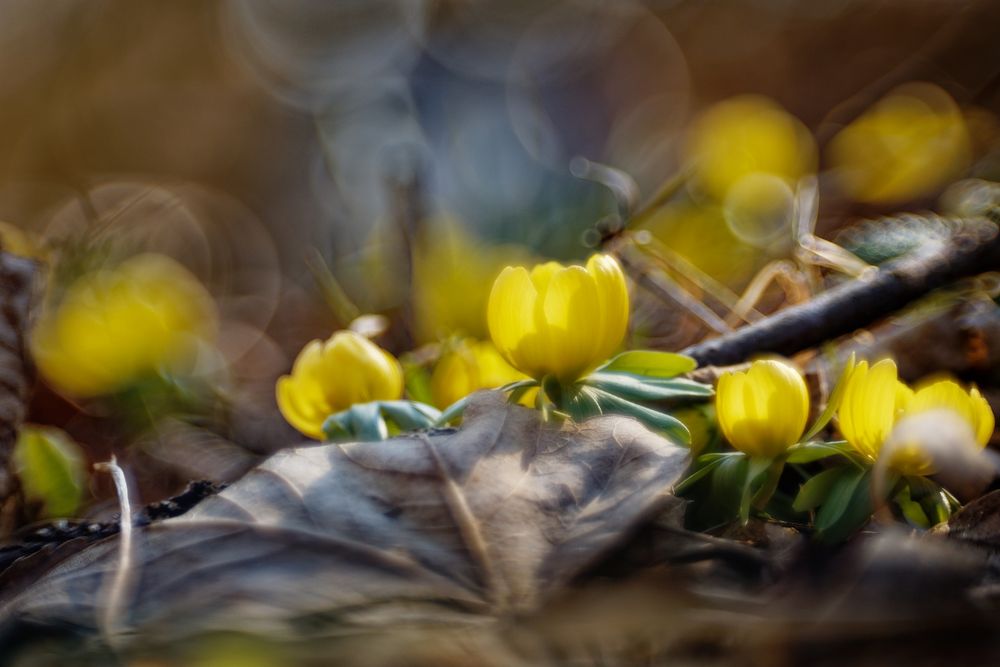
(973, 249)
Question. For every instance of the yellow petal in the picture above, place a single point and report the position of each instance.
(985, 421)
(301, 411)
(613, 304)
(570, 310)
(948, 394)
(511, 317)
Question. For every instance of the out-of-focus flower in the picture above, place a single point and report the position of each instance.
(51, 469)
(557, 320)
(763, 411)
(949, 395)
(331, 376)
(912, 142)
(444, 257)
(747, 135)
(873, 401)
(114, 326)
(467, 366)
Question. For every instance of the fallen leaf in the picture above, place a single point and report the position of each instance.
(450, 526)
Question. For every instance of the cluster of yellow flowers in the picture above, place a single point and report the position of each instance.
(764, 410)
(553, 321)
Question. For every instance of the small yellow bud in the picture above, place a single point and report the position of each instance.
(469, 366)
(763, 411)
(328, 377)
(559, 320)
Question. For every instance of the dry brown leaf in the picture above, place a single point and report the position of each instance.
(462, 526)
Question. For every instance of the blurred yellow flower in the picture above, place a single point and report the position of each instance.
(908, 145)
(331, 376)
(747, 135)
(447, 256)
(948, 394)
(467, 366)
(113, 326)
(872, 403)
(763, 411)
(559, 321)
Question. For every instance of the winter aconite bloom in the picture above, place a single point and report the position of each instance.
(331, 376)
(949, 395)
(114, 326)
(467, 366)
(912, 457)
(559, 321)
(763, 411)
(872, 402)
(875, 400)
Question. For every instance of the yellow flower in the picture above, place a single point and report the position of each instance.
(875, 401)
(468, 366)
(763, 411)
(872, 402)
(331, 376)
(909, 144)
(943, 394)
(948, 394)
(748, 135)
(114, 326)
(559, 320)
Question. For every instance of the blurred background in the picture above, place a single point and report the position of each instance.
(303, 163)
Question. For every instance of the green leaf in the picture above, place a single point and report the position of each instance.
(698, 474)
(756, 469)
(848, 508)
(939, 507)
(453, 411)
(409, 415)
(650, 363)
(583, 405)
(639, 388)
(366, 422)
(832, 403)
(911, 509)
(817, 488)
(669, 426)
(361, 422)
(418, 383)
(816, 451)
(519, 384)
(51, 469)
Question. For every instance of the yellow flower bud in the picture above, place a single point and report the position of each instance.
(559, 320)
(114, 326)
(763, 411)
(469, 366)
(328, 377)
